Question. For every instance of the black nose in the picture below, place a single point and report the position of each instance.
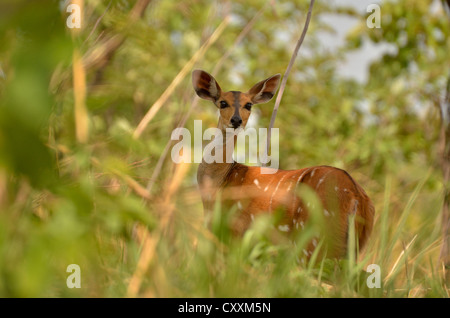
(236, 121)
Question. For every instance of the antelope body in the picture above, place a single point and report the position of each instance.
(255, 193)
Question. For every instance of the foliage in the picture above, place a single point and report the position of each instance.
(117, 205)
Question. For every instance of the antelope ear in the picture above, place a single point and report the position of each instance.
(205, 85)
(263, 91)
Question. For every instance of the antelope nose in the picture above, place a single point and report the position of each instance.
(236, 121)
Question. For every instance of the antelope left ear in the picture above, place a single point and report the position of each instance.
(263, 91)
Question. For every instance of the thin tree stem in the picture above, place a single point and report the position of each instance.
(286, 75)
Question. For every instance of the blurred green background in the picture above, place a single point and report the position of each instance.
(80, 185)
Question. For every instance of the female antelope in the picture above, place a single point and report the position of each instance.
(254, 193)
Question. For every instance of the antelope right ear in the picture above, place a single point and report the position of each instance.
(263, 91)
(206, 86)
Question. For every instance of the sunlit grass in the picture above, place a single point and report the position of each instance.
(197, 262)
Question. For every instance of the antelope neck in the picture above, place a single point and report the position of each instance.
(217, 172)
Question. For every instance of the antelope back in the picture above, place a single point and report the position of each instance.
(339, 196)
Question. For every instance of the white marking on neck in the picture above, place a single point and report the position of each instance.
(221, 145)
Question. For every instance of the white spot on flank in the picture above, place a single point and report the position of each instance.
(305, 252)
(326, 213)
(275, 191)
(320, 182)
(290, 186)
(312, 173)
(299, 209)
(322, 179)
(345, 190)
(336, 189)
(302, 224)
(239, 204)
(283, 228)
(314, 242)
(252, 217)
(298, 181)
(256, 182)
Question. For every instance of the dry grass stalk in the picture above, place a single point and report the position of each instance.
(180, 76)
(79, 90)
(399, 258)
(150, 240)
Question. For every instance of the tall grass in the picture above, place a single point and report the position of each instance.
(188, 259)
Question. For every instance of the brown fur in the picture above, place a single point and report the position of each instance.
(255, 193)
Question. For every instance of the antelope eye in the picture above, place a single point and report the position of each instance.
(248, 106)
(223, 104)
